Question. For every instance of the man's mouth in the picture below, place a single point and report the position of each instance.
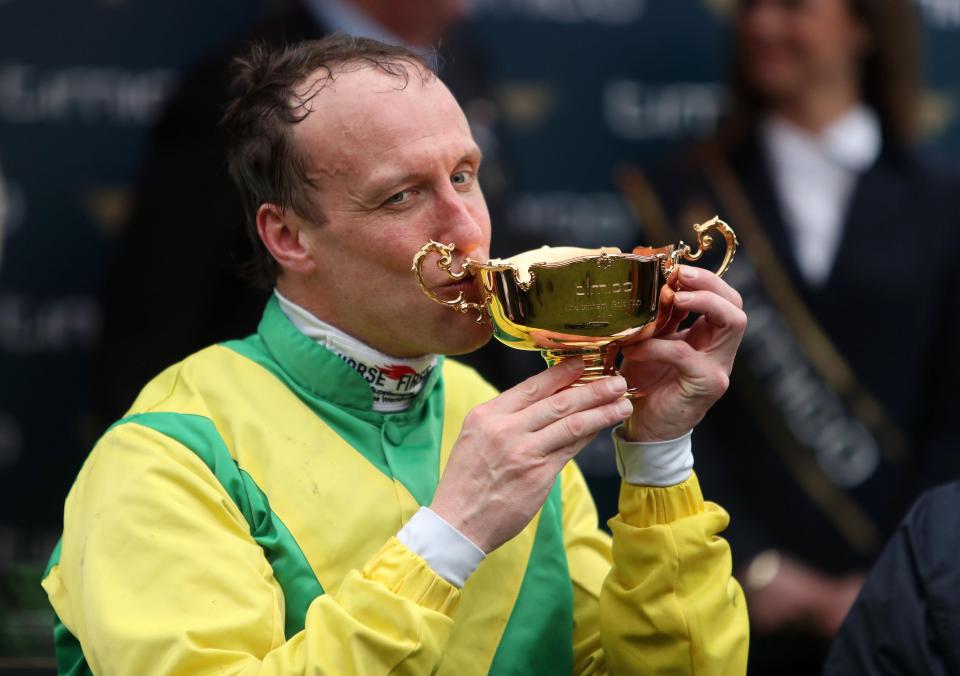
(467, 286)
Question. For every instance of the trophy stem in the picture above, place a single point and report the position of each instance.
(599, 362)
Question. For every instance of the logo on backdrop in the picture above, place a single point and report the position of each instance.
(30, 326)
(641, 111)
(572, 218)
(30, 94)
(940, 13)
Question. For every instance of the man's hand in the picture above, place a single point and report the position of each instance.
(683, 374)
(512, 447)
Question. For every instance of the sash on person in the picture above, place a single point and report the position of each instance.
(829, 431)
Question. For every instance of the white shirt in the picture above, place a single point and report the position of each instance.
(394, 381)
(445, 549)
(814, 176)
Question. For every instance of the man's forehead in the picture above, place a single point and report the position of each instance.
(364, 112)
(366, 99)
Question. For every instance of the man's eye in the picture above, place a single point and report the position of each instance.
(461, 178)
(400, 197)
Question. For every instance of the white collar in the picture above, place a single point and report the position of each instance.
(852, 141)
(394, 382)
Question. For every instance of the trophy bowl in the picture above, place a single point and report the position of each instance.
(572, 303)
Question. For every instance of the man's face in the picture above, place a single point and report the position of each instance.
(395, 167)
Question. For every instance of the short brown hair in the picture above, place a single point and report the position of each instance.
(268, 100)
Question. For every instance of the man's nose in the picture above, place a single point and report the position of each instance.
(457, 223)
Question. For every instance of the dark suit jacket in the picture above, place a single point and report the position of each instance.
(906, 619)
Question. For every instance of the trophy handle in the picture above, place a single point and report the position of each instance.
(705, 242)
(446, 260)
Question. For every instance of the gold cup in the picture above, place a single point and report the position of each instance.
(573, 303)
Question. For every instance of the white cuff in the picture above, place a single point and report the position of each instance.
(656, 463)
(445, 549)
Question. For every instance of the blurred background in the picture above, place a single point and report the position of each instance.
(110, 171)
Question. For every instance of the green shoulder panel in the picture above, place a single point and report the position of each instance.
(66, 647)
(538, 638)
(290, 567)
(69, 654)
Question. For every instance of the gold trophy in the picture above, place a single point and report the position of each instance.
(572, 303)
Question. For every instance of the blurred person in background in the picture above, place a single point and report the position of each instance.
(842, 401)
(163, 300)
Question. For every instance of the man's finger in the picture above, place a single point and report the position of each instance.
(574, 428)
(571, 400)
(676, 318)
(718, 311)
(698, 279)
(538, 387)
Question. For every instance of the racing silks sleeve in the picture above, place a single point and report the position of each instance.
(669, 604)
(158, 574)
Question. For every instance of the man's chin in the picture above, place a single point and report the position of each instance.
(469, 346)
(460, 334)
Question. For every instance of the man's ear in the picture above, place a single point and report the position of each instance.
(283, 233)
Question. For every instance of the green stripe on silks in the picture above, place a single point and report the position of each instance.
(538, 638)
(54, 559)
(290, 567)
(69, 654)
(66, 647)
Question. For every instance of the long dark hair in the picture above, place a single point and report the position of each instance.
(889, 74)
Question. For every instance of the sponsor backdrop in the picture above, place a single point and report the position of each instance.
(580, 86)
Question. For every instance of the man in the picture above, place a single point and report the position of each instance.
(275, 505)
